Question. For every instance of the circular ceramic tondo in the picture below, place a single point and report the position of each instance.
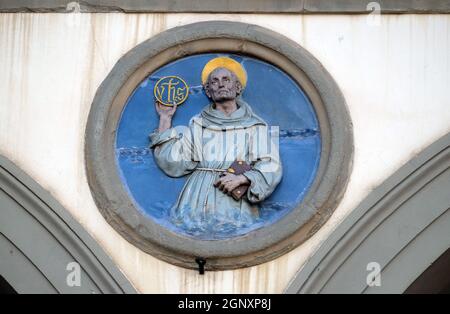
(133, 194)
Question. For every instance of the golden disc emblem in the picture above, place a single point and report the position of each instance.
(171, 90)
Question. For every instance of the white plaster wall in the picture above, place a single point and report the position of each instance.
(395, 78)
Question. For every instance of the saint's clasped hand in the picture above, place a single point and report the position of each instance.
(229, 181)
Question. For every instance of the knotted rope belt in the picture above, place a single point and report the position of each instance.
(211, 169)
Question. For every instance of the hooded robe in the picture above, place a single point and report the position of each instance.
(214, 140)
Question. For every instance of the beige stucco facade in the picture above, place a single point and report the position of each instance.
(393, 71)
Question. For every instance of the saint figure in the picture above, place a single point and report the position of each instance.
(225, 131)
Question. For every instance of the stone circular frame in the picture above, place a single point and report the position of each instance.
(257, 246)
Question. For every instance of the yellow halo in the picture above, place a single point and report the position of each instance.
(228, 63)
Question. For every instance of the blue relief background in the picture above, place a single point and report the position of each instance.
(271, 93)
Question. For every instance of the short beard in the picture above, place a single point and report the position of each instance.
(224, 98)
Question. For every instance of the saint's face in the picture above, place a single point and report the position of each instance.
(222, 85)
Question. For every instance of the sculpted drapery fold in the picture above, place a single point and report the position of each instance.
(214, 140)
